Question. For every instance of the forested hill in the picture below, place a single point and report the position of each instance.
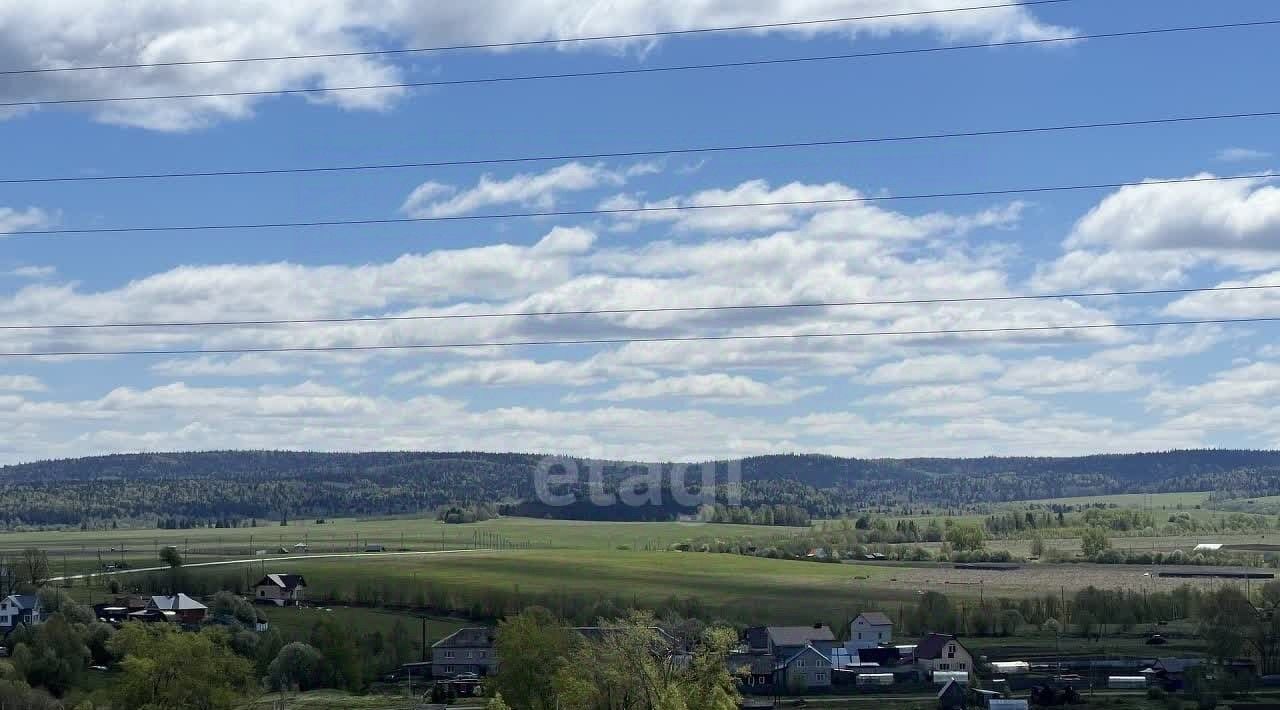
(228, 487)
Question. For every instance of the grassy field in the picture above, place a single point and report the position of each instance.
(1162, 501)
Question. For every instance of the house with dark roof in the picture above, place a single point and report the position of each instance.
(942, 652)
(868, 630)
(467, 650)
(806, 670)
(952, 696)
(785, 641)
(19, 609)
(280, 589)
(179, 607)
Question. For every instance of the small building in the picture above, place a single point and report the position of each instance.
(874, 680)
(1127, 682)
(300, 547)
(375, 548)
(467, 650)
(806, 670)
(280, 589)
(869, 629)
(1010, 667)
(1207, 547)
(185, 609)
(20, 610)
(942, 653)
(952, 696)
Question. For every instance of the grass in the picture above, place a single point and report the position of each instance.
(78, 552)
(296, 622)
(1163, 501)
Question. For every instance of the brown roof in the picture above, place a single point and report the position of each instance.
(876, 618)
(930, 647)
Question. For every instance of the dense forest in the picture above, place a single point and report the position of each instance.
(236, 487)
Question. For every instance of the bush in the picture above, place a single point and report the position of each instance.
(1156, 693)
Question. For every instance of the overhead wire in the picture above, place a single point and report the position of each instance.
(648, 70)
(635, 311)
(648, 152)
(645, 209)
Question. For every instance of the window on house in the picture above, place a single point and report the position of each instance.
(820, 677)
(961, 666)
(468, 654)
(448, 654)
(859, 635)
(944, 666)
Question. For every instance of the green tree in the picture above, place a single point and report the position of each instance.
(1093, 541)
(170, 556)
(967, 537)
(1037, 545)
(707, 683)
(33, 566)
(165, 669)
(1231, 625)
(496, 703)
(531, 647)
(232, 607)
(297, 666)
(52, 655)
(344, 663)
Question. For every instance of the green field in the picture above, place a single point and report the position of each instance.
(1163, 501)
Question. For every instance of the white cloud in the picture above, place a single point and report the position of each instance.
(1240, 155)
(1228, 215)
(534, 190)
(1262, 302)
(94, 32)
(15, 220)
(712, 387)
(562, 373)
(250, 365)
(33, 272)
(934, 369)
(20, 383)
(1050, 375)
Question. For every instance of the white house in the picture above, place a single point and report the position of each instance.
(942, 653)
(868, 630)
(280, 589)
(20, 609)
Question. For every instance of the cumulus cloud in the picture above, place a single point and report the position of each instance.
(712, 387)
(933, 369)
(16, 220)
(20, 383)
(534, 190)
(101, 32)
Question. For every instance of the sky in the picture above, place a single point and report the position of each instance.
(1017, 393)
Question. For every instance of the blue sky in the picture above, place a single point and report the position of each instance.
(1047, 393)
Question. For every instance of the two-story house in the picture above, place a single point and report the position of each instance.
(869, 630)
(942, 652)
(280, 589)
(467, 650)
(805, 670)
(18, 609)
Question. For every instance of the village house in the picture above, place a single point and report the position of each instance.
(179, 607)
(280, 589)
(18, 609)
(786, 641)
(806, 670)
(942, 653)
(467, 650)
(869, 630)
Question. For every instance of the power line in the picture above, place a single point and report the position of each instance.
(628, 311)
(536, 42)
(831, 142)
(637, 210)
(655, 339)
(649, 70)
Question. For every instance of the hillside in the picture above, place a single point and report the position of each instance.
(231, 487)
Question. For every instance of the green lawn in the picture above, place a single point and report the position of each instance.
(296, 622)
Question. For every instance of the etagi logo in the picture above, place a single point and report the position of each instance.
(558, 481)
